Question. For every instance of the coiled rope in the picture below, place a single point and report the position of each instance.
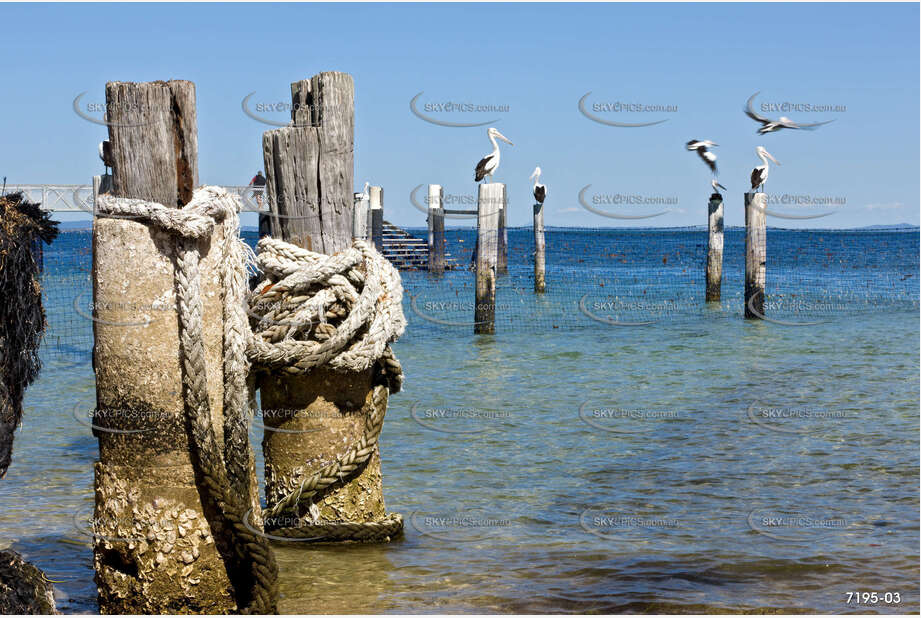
(342, 311)
(224, 471)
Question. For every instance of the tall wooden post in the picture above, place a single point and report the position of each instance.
(490, 196)
(755, 254)
(360, 217)
(377, 218)
(714, 248)
(154, 550)
(502, 238)
(540, 281)
(310, 168)
(436, 221)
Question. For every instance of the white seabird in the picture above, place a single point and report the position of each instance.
(540, 191)
(490, 163)
(706, 156)
(769, 126)
(760, 173)
(716, 186)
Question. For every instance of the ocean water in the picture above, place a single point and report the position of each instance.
(617, 446)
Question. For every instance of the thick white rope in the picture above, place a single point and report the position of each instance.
(302, 290)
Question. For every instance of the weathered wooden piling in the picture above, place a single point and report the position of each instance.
(311, 419)
(436, 221)
(377, 218)
(502, 241)
(755, 254)
(154, 550)
(714, 275)
(489, 198)
(321, 182)
(540, 248)
(360, 217)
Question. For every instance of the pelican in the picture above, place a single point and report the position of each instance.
(716, 186)
(706, 156)
(540, 191)
(105, 154)
(769, 126)
(488, 164)
(760, 173)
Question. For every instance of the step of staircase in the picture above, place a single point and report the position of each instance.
(408, 252)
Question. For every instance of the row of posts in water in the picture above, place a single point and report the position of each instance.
(492, 245)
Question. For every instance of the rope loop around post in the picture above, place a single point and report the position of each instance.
(341, 311)
(224, 470)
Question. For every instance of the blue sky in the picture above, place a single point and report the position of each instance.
(536, 59)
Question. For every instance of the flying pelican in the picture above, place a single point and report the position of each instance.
(706, 156)
(488, 164)
(769, 126)
(105, 154)
(717, 186)
(540, 191)
(760, 173)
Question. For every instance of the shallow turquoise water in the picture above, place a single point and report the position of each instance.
(701, 463)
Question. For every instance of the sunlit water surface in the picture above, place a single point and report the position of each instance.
(588, 467)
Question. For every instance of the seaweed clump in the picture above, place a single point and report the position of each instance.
(23, 225)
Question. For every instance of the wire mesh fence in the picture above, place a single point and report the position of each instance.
(596, 279)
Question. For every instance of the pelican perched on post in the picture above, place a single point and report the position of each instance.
(540, 191)
(717, 186)
(105, 154)
(760, 173)
(706, 156)
(769, 126)
(488, 164)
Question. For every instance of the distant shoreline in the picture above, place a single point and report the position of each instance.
(78, 226)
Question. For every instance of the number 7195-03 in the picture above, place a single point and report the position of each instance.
(873, 598)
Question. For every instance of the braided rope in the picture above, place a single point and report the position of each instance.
(225, 472)
(292, 311)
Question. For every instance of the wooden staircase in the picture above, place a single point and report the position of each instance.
(408, 252)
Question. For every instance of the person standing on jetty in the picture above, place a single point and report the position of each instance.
(258, 182)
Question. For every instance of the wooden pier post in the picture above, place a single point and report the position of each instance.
(360, 217)
(540, 281)
(377, 218)
(490, 196)
(154, 550)
(502, 238)
(755, 254)
(436, 221)
(321, 419)
(714, 275)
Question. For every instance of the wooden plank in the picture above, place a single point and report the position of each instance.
(332, 102)
(153, 118)
(714, 272)
(540, 280)
(490, 196)
(755, 254)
